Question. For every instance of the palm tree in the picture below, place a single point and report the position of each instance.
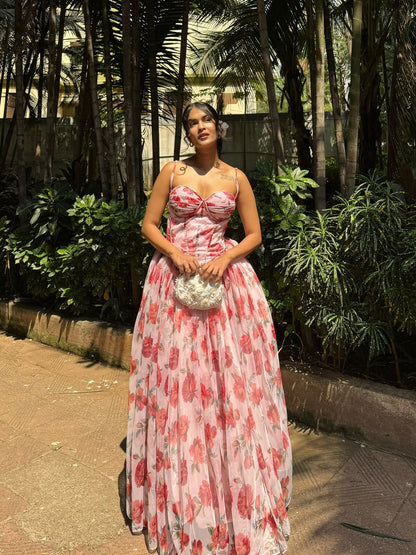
(110, 101)
(271, 93)
(234, 54)
(402, 117)
(50, 131)
(181, 80)
(131, 169)
(20, 103)
(94, 99)
(7, 66)
(38, 139)
(377, 20)
(319, 140)
(153, 76)
(310, 33)
(353, 118)
(137, 29)
(336, 108)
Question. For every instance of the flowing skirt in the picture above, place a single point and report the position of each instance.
(208, 449)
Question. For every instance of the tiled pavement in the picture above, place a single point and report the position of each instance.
(62, 428)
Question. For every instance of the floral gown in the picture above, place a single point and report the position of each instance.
(208, 449)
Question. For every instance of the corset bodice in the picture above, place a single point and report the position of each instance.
(197, 225)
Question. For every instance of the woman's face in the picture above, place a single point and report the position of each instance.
(202, 128)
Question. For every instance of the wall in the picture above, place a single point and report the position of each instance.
(247, 141)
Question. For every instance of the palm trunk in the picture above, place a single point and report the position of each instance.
(320, 196)
(402, 95)
(94, 101)
(354, 114)
(27, 76)
(271, 92)
(153, 90)
(59, 60)
(136, 102)
(20, 103)
(81, 111)
(336, 110)
(51, 91)
(110, 105)
(310, 28)
(374, 35)
(38, 139)
(7, 62)
(128, 105)
(181, 81)
(303, 138)
(136, 131)
(386, 85)
(5, 56)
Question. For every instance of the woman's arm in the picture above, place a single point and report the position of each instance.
(150, 228)
(247, 209)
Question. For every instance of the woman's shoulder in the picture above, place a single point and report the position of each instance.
(232, 169)
(170, 166)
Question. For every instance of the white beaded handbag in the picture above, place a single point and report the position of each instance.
(196, 293)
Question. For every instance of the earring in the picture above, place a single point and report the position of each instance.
(187, 141)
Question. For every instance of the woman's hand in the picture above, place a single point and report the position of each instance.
(213, 270)
(185, 263)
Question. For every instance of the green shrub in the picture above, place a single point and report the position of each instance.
(281, 206)
(354, 267)
(76, 253)
(95, 267)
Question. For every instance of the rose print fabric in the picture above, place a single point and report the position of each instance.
(208, 448)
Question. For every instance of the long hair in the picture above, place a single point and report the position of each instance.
(209, 111)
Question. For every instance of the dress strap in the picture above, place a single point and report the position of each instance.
(236, 183)
(171, 176)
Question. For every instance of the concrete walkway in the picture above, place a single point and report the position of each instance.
(62, 432)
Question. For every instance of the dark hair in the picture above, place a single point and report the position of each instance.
(210, 111)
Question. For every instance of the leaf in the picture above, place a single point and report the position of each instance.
(372, 532)
(35, 216)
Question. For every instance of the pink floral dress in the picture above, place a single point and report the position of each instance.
(208, 451)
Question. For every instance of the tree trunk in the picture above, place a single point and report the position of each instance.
(373, 37)
(4, 63)
(336, 109)
(59, 60)
(128, 105)
(20, 103)
(153, 89)
(310, 37)
(137, 102)
(38, 138)
(7, 62)
(50, 125)
(271, 92)
(112, 162)
(320, 193)
(402, 120)
(81, 110)
(181, 81)
(354, 113)
(27, 76)
(94, 101)
(303, 138)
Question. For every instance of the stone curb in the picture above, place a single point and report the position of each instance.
(370, 412)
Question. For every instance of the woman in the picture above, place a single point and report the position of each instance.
(208, 449)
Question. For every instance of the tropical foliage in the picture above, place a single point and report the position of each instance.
(354, 270)
(341, 278)
(75, 253)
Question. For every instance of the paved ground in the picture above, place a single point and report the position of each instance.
(62, 431)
